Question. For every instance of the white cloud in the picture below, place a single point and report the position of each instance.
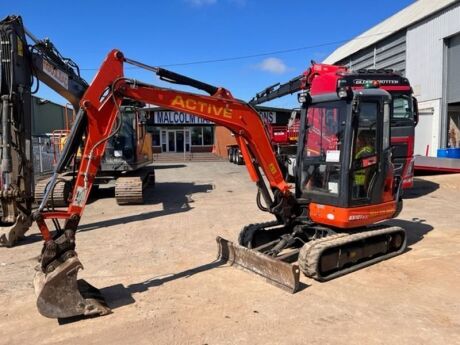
(200, 3)
(273, 65)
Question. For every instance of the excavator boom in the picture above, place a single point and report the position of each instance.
(100, 113)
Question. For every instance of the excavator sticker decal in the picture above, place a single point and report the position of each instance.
(79, 197)
(194, 105)
(56, 74)
(272, 168)
(371, 214)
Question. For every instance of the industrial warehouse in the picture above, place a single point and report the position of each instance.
(199, 172)
(422, 42)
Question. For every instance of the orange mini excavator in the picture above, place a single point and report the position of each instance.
(325, 228)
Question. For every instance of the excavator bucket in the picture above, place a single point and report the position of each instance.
(279, 273)
(61, 295)
(9, 235)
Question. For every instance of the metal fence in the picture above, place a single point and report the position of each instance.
(44, 157)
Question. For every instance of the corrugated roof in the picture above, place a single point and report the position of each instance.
(404, 18)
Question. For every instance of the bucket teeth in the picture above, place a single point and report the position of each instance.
(61, 295)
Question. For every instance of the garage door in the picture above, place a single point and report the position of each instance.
(424, 132)
(453, 72)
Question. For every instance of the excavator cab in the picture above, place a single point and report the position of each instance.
(344, 185)
(345, 157)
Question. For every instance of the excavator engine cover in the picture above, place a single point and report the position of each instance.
(61, 295)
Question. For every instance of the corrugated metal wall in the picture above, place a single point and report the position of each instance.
(47, 116)
(388, 53)
(425, 52)
(453, 70)
(421, 53)
(427, 70)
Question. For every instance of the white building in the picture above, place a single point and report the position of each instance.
(423, 42)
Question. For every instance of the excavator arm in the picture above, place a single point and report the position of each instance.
(59, 293)
(302, 82)
(101, 106)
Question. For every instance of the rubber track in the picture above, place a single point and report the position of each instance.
(129, 190)
(248, 231)
(310, 253)
(60, 193)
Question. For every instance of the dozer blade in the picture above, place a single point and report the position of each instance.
(60, 295)
(276, 272)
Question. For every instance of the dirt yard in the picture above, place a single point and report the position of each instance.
(156, 265)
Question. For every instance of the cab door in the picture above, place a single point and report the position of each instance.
(371, 172)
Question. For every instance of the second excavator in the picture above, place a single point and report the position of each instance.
(326, 227)
(23, 59)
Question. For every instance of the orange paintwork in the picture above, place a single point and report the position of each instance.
(221, 108)
(347, 218)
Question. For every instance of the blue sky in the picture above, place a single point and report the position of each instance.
(180, 31)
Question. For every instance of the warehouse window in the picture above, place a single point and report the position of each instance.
(197, 136)
(156, 137)
(208, 137)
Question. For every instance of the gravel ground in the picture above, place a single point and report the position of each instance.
(156, 265)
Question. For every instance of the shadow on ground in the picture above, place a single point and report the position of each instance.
(169, 166)
(175, 197)
(115, 296)
(415, 229)
(160, 280)
(421, 187)
(168, 192)
(119, 295)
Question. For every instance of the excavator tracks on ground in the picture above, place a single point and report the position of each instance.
(130, 190)
(333, 256)
(246, 235)
(61, 192)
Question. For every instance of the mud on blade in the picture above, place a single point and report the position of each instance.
(276, 272)
(61, 295)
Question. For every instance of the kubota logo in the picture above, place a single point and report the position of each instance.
(201, 107)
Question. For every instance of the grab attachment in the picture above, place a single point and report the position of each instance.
(61, 295)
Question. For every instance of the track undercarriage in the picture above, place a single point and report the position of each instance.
(60, 195)
(130, 188)
(278, 253)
